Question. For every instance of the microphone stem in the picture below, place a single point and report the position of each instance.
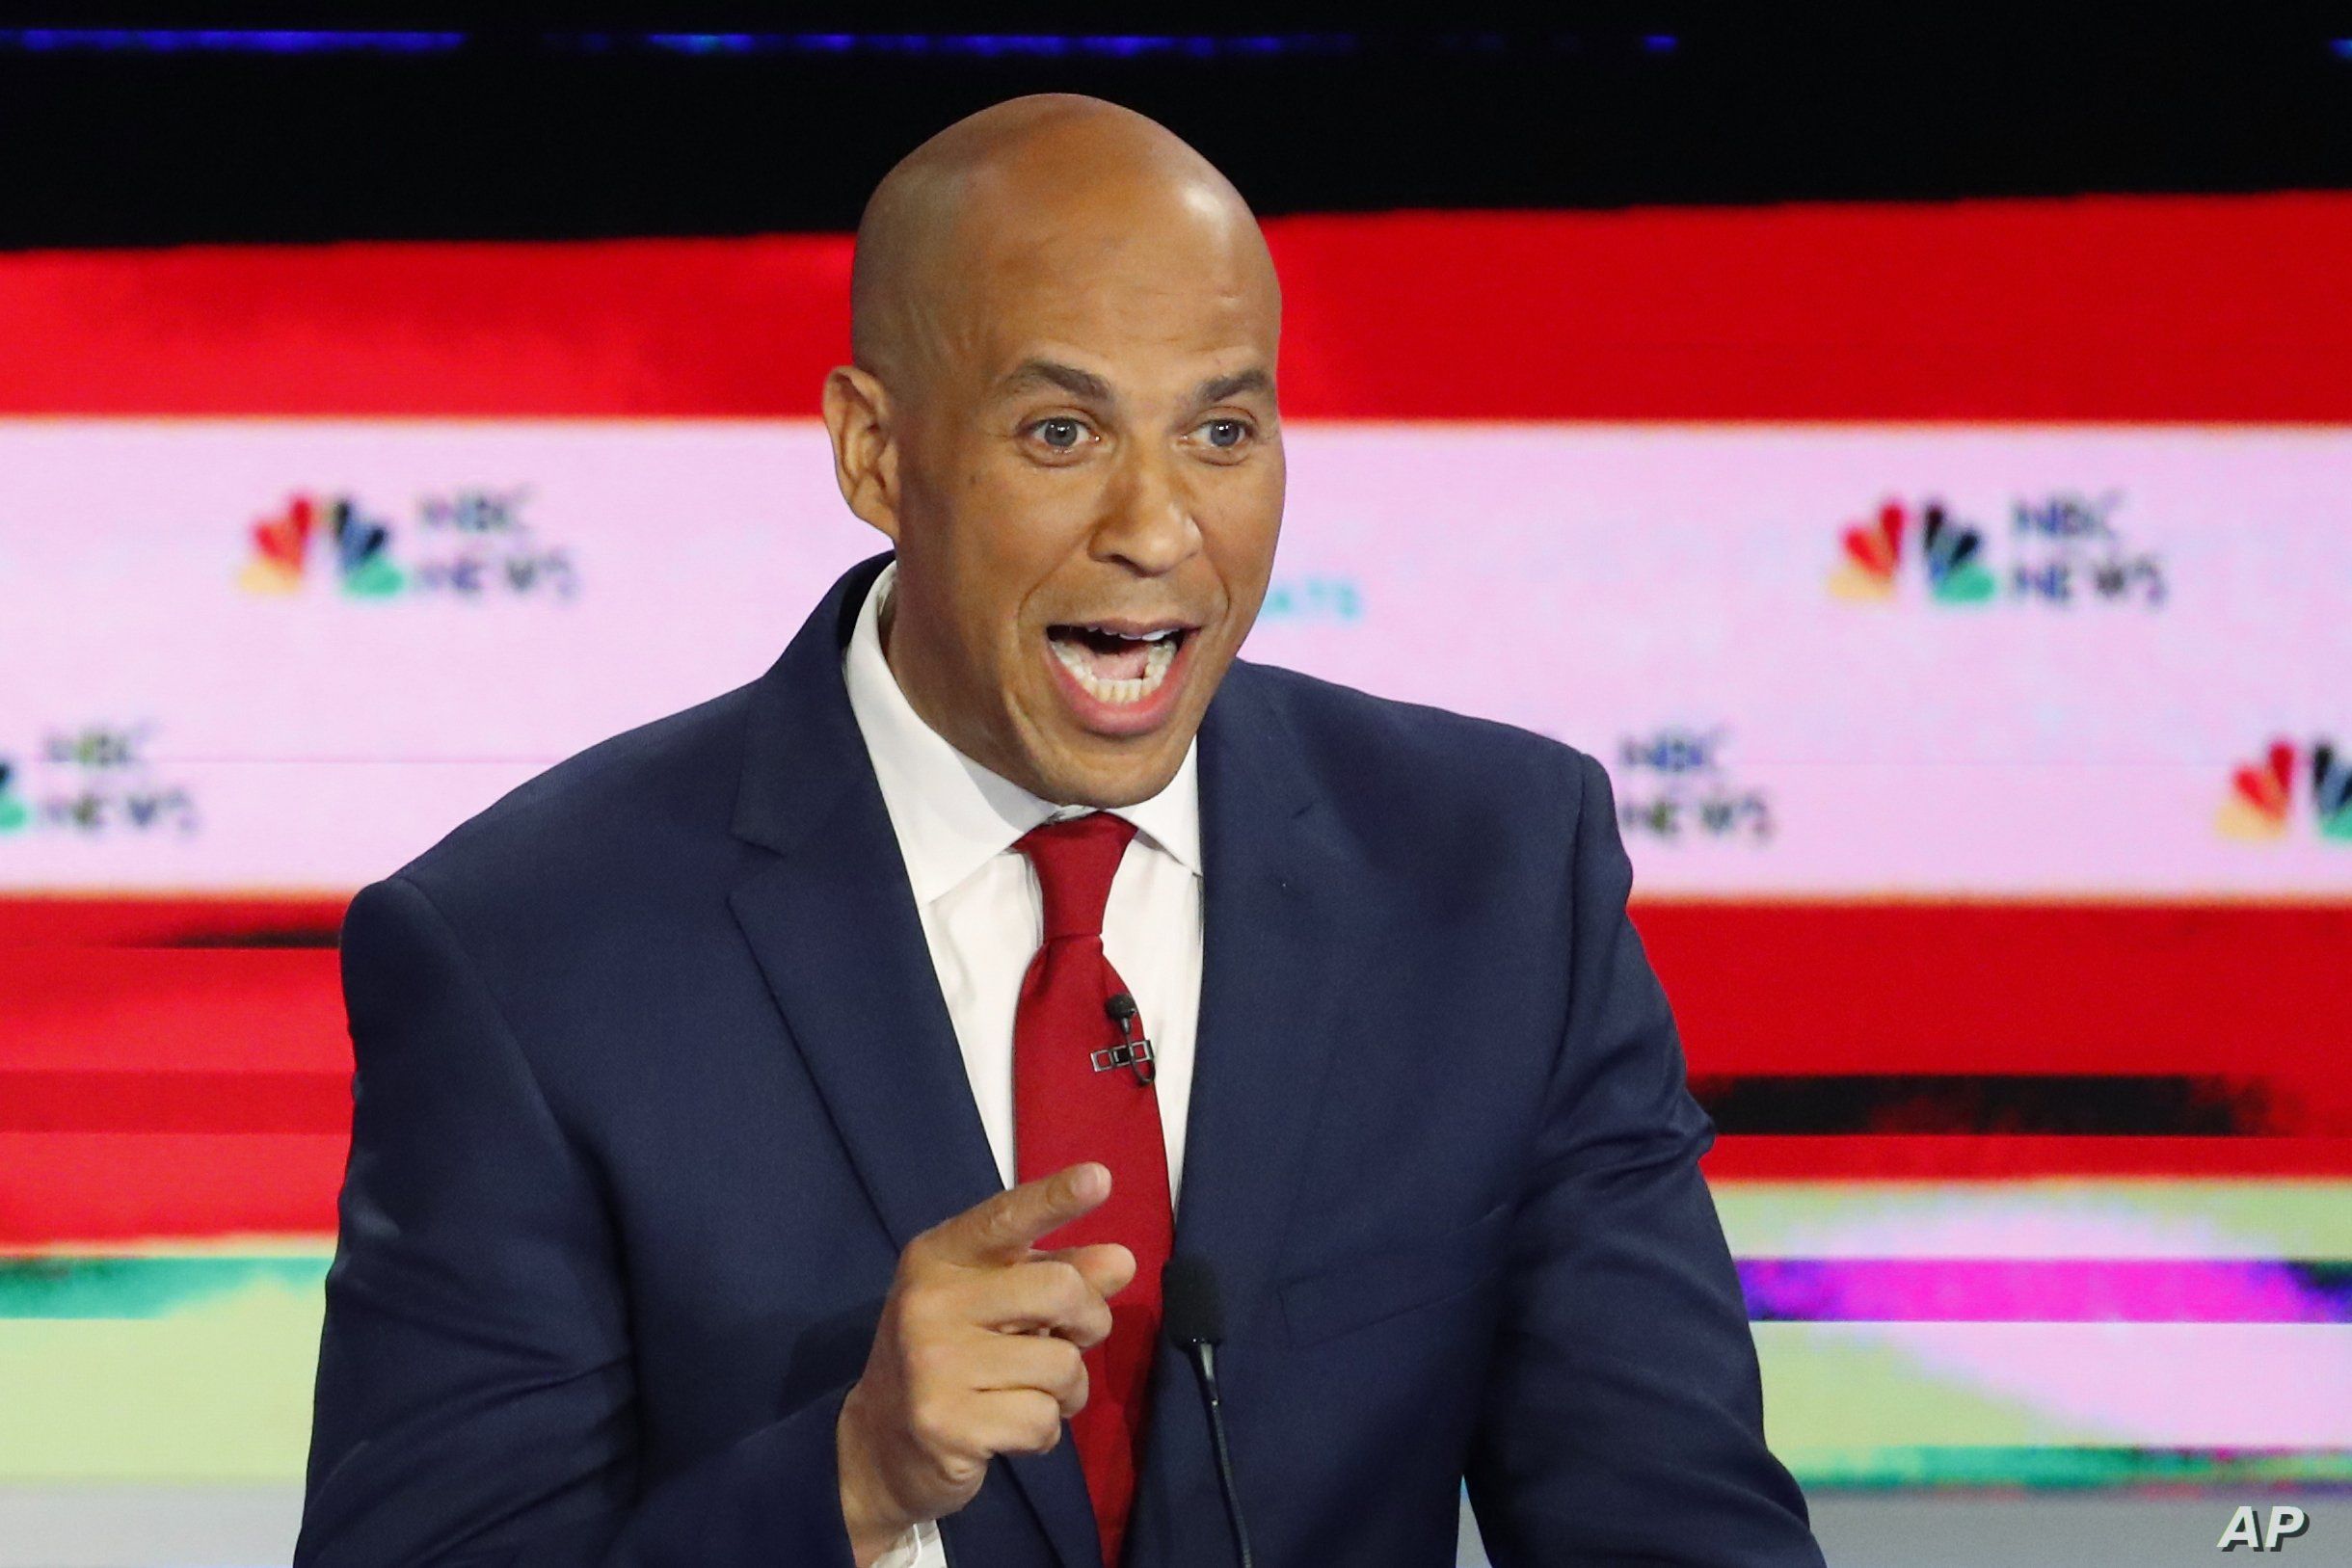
(1204, 1365)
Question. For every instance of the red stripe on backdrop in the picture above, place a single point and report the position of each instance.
(2224, 308)
(194, 920)
(201, 1091)
(66, 1187)
(2248, 992)
(174, 1101)
(1948, 1157)
(113, 1010)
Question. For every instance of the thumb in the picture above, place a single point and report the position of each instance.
(1107, 1267)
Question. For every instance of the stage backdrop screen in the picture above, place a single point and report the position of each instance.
(1960, 597)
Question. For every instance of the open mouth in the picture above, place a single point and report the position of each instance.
(1119, 666)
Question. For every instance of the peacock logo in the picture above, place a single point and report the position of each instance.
(1953, 551)
(362, 546)
(15, 814)
(2261, 799)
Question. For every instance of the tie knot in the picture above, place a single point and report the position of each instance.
(1076, 859)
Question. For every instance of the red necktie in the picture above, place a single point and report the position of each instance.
(1067, 1110)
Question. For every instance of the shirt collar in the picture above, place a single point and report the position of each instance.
(949, 814)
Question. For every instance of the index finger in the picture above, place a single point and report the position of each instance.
(1003, 1229)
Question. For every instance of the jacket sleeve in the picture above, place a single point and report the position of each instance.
(476, 1390)
(1623, 1419)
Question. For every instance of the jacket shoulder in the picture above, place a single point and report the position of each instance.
(1430, 770)
(617, 815)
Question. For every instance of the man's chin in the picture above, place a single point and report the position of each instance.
(1092, 752)
(1107, 773)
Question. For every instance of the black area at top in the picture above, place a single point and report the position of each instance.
(2062, 1105)
(542, 131)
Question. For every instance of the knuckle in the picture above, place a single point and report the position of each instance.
(991, 1221)
(1038, 1429)
(1093, 1325)
(951, 1473)
(1048, 1430)
(1066, 1288)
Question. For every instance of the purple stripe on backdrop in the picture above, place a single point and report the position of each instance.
(2045, 1291)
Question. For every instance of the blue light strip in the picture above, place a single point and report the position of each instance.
(220, 40)
(994, 45)
(969, 45)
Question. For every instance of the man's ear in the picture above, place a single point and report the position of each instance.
(864, 447)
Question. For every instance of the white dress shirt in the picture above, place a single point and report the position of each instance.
(982, 918)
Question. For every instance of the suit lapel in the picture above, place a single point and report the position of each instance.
(1274, 899)
(1276, 885)
(832, 924)
(835, 930)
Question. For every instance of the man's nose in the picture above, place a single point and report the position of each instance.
(1149, 521)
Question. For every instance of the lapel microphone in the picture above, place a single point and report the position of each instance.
(1192, 1315)
(1130, 1052)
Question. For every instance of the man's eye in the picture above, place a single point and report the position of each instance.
(1227, 433)
(1062, 435)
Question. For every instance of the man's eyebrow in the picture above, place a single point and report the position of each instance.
(1070, 379)
(1219, 388)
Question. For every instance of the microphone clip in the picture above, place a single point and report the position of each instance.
(1134, 1050)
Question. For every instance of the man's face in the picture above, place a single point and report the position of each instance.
(1090, 487)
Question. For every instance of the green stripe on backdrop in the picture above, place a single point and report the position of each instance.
(2135, 1218)
(1763, 1219)
(213, 1386)
(132, 1286)
(2061, 1469)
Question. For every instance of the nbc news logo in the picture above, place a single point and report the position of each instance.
(360, 545)
(15, 814)
(2262, 801)
(1873, 552)
(2064, 549)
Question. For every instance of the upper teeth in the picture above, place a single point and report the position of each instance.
(1136, 636)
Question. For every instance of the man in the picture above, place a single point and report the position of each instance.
(758, 1154)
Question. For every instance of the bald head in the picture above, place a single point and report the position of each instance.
(1062, 413)
(957, 219)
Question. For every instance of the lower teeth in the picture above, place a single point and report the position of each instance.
(1156, 659)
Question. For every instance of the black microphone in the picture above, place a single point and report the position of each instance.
(1192, 1315)
(1130, 1052)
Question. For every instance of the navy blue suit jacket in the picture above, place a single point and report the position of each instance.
(654, 1081)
